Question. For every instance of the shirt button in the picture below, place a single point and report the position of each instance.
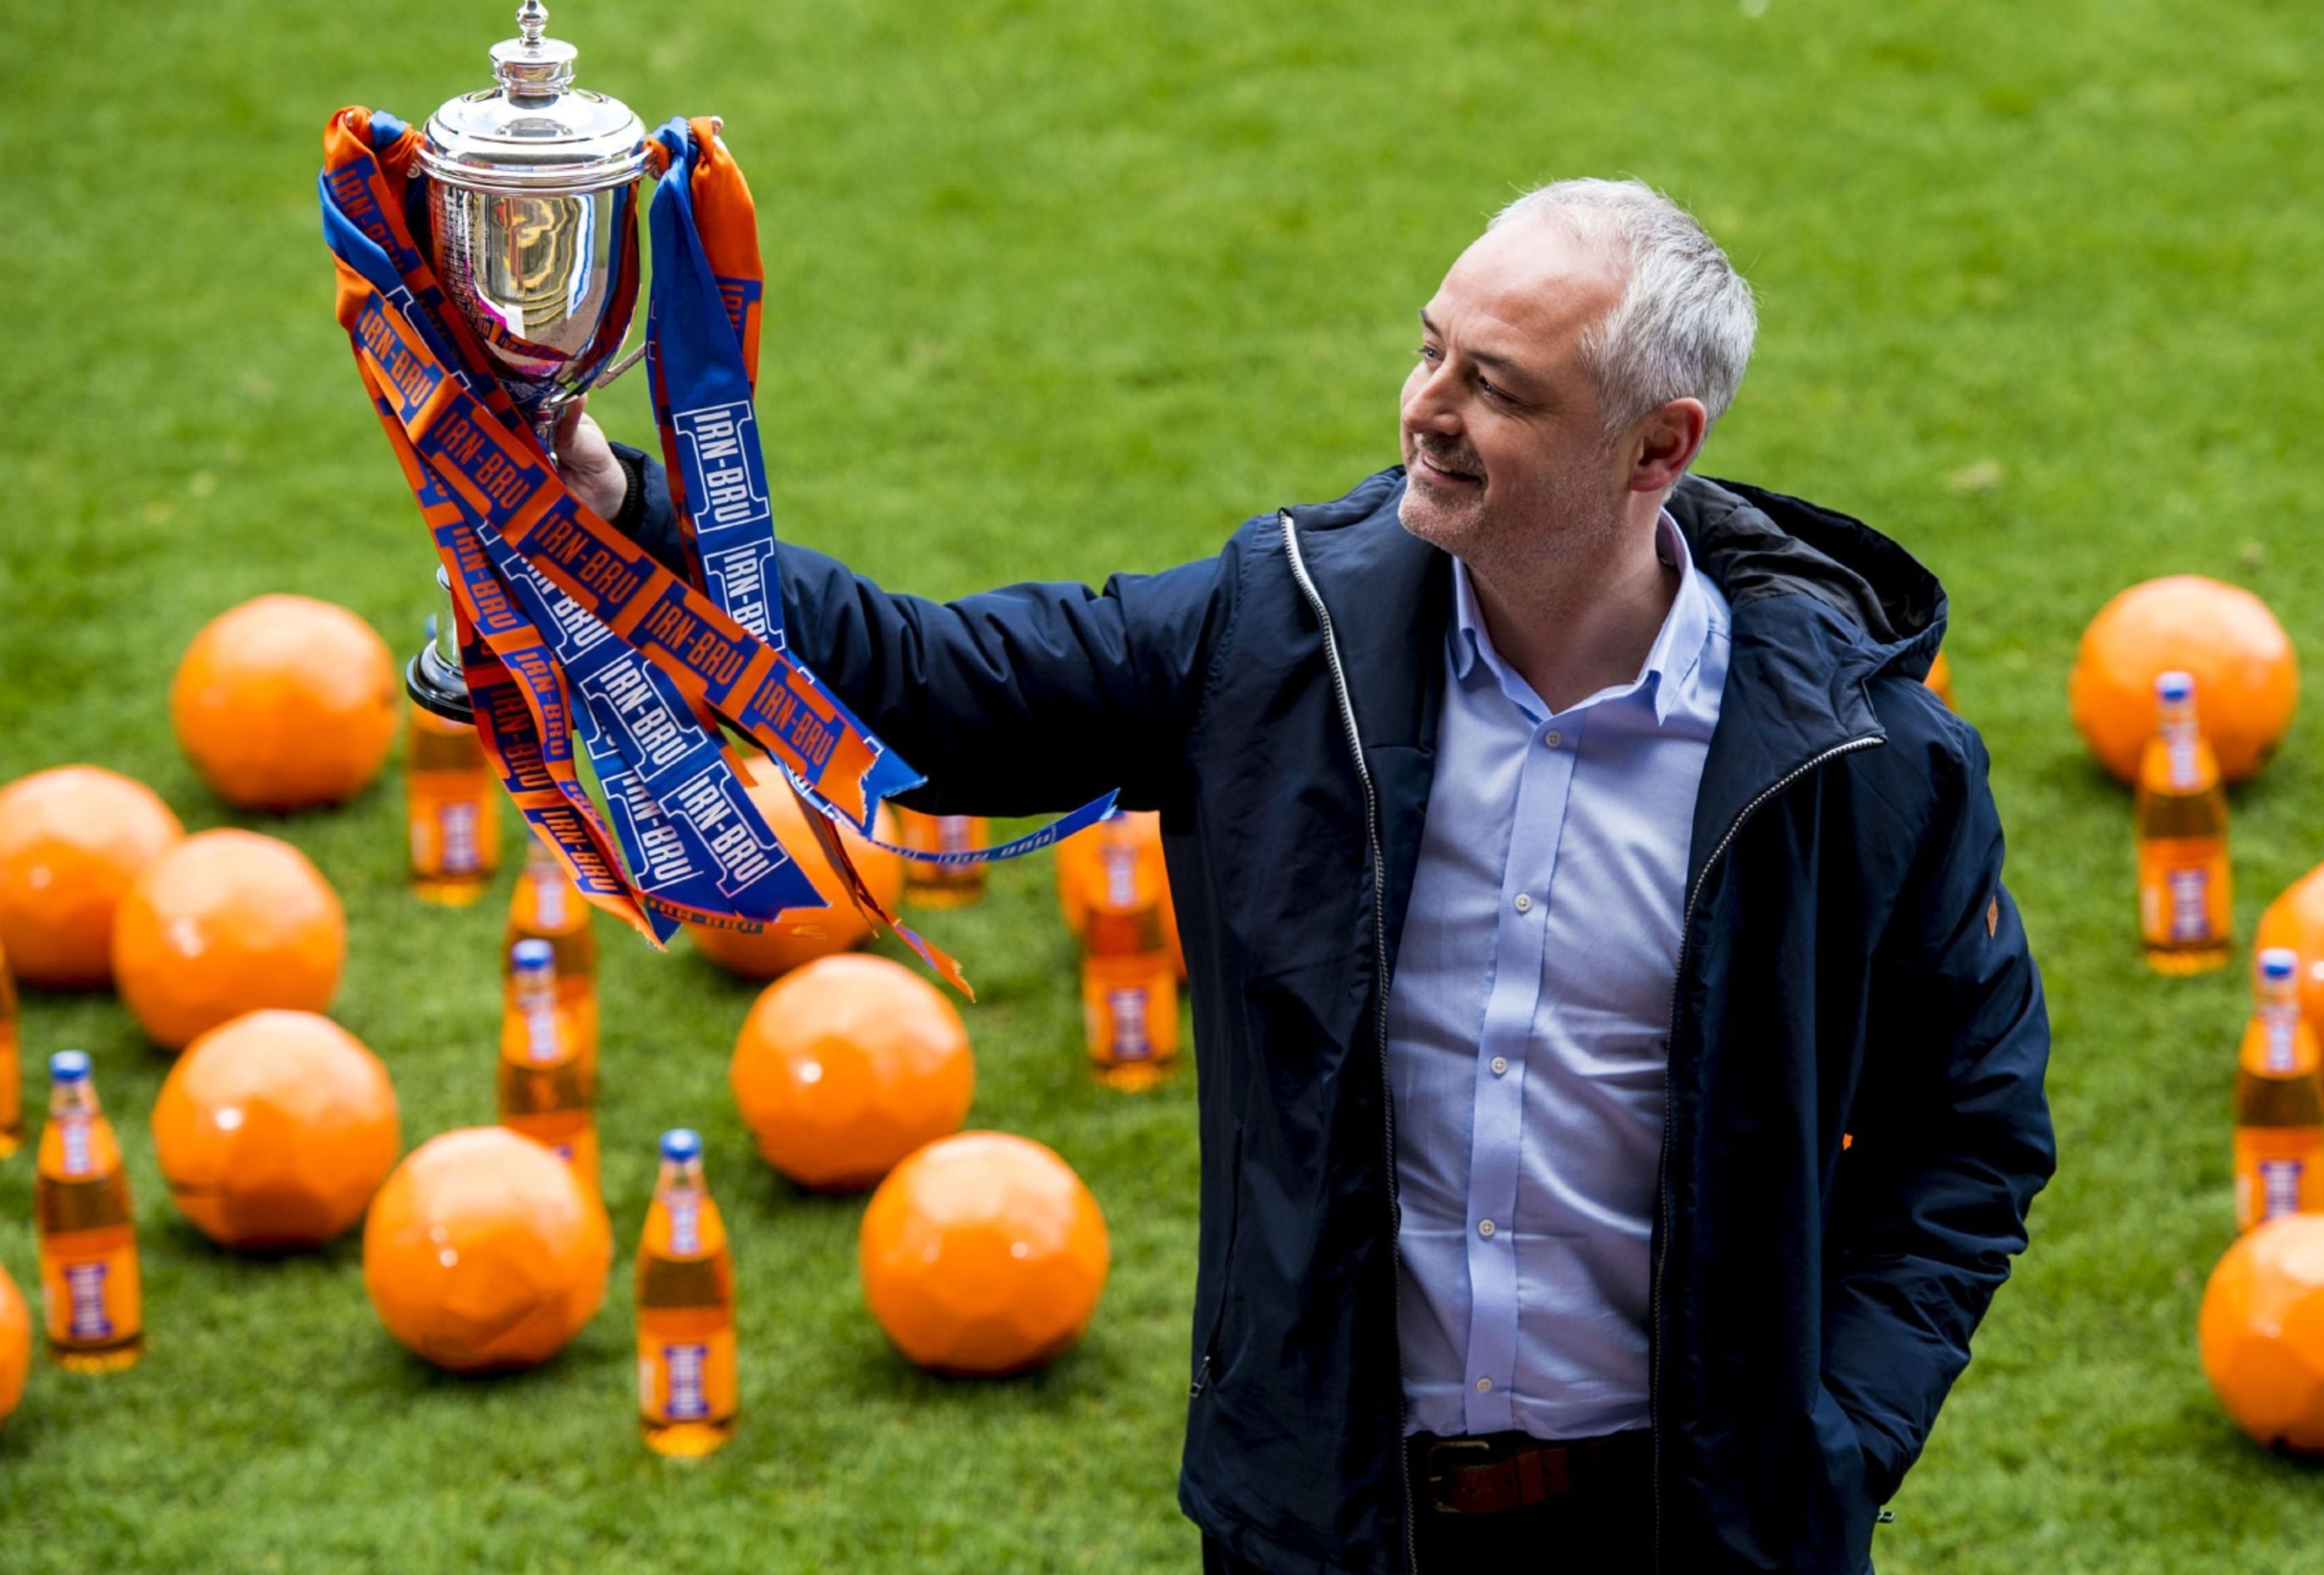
(1525, 903)
(1484, 1385)
(1500, 1065)
(1484, 1227)
(1553, 739)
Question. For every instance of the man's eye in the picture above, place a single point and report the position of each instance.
(1427, 352)
(1489, 389)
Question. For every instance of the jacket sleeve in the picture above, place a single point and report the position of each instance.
(1029, 699)
(1952, 1136)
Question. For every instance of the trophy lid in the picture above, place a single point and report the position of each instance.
(535, 132)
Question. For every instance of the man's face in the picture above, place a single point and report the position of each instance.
(1503, 439)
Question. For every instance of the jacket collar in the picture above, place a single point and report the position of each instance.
(1820, 604)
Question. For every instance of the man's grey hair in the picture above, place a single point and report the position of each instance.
(1685, 322)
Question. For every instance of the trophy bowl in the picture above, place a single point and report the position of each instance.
(532, 199)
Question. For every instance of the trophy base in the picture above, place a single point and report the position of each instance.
(433, 678)
(435, 687)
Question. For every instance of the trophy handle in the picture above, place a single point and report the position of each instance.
(621, 364)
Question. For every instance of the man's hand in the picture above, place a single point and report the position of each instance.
(585, 461)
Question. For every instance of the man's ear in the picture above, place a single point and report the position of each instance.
(1664, 441)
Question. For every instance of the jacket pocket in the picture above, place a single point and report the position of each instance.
(1843, 1448)
(1207, 1358)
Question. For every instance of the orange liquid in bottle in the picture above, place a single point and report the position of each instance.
(2186, 906)
(451, 810)
(2279, 1142)
(687, 1392)
(92, 1302)
(543, 1094)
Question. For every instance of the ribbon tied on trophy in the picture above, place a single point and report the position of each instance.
(562, 627)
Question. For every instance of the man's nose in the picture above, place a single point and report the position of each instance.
(1430, 402)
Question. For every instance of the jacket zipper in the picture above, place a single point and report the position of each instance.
(1685, 931)
(1380, 944)
(1226, 1268)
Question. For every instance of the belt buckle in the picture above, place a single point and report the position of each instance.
(1441, 1448)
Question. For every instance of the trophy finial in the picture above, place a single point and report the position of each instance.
(533, 65)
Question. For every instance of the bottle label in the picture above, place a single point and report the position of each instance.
(2279, 1169)
(81, 1159)
(952, 834)
(89, 1300)
(1120, 877)
(1126, 1005)
(2185, 772)
(685, 1225)
(2279, 1187)
(690, 1401)
(540, 1040)
(2191, 902)
(455, 821)
(548, 898)
(89, 1319)
(686, 1380)
(2283, 1038)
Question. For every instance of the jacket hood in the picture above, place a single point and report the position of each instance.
(1757, 544)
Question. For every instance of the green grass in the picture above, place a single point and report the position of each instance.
(1059, 289)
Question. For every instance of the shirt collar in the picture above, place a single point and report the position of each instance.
(1671, 661)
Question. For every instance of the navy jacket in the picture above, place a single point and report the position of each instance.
(1850, 965)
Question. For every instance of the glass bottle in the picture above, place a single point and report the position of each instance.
(541, 1092)
(686, 1388)
(90, 1296)
(451, 810)
(2279, 1102)
(1130, 984)
(2185, 906)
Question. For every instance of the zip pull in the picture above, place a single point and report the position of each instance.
(1202, 1378)
(1885, 1517)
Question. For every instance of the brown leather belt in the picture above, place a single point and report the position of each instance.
(1502, 1471)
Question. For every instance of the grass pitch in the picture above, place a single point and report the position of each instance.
(1055, 290)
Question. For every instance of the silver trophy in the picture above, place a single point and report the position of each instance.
(532, 184)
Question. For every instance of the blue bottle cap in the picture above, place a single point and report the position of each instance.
(681, 1145)
(2279, 963)
(533, 956)
(69, 1066)
(2174, 687)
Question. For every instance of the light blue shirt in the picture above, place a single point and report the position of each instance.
(1526, 1025)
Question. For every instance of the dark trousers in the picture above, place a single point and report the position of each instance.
(1606, 1530)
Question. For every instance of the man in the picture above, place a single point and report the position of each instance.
(1621, 1065)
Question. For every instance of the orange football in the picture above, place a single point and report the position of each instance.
(982, 1255)
(2246, 674)
(225, 923)
(764, 955)
(2262, 1332)
(848, 1064)
(275, 1130)
(483, 1252)
(71, 840)
(15, 1344)
(286, 702)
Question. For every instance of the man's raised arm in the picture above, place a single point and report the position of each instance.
(1029, 699)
